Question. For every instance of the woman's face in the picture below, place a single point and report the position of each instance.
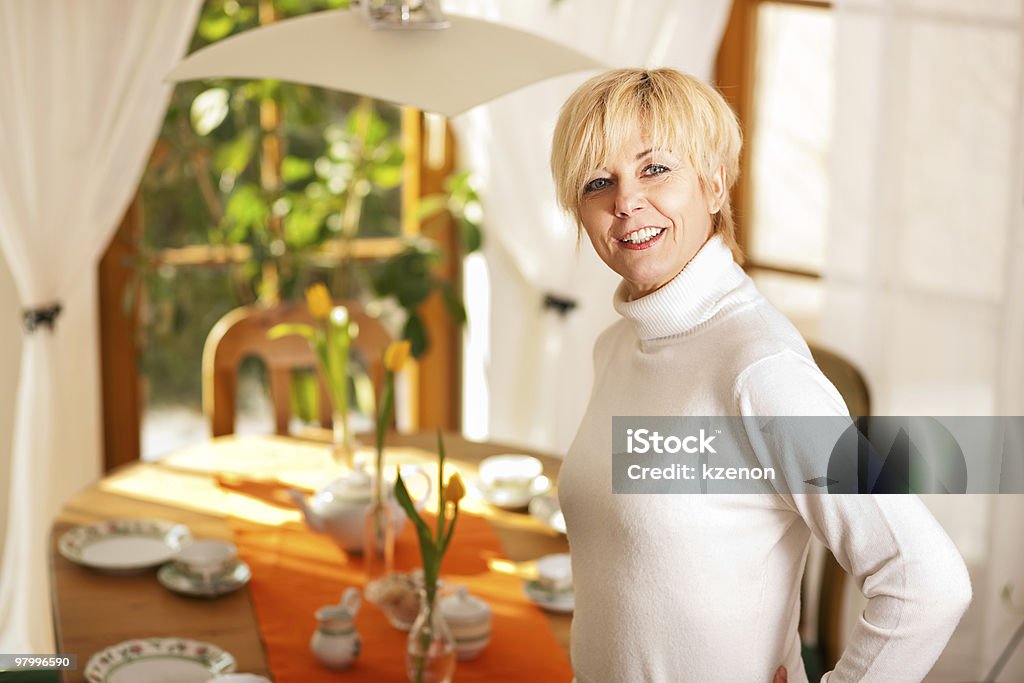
(646, 215)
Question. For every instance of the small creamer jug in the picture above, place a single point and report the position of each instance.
(336, 642)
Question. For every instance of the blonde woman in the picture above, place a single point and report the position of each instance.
(706, 588)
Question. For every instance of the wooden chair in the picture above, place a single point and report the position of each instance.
(826, 650)
(243, 332)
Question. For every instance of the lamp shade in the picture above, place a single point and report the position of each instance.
(446, 71)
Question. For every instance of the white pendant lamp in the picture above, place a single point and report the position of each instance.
(462, 63)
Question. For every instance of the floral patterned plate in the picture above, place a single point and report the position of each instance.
(158, 660)
(124, 545)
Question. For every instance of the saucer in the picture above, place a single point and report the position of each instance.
(561, 602)
(512, 499)
(173, 578)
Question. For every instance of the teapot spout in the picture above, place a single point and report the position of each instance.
(313, 520)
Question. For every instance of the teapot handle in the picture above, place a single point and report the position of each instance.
(351, 600)
(418, 470)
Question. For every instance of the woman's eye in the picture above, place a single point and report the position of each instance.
(596, 184)
(655, 169)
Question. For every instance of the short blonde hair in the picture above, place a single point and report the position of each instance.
(676, 111)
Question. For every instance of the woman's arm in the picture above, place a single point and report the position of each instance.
(901, 559)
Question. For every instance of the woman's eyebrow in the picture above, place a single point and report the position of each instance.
(641, 155)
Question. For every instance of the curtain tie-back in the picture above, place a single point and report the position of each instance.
(560, 305)
(41, 316)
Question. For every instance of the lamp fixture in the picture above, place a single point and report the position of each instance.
(443, 71)
(404, 14)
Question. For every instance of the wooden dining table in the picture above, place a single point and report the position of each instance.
(210, 486)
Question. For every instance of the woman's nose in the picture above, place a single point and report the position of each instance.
(628, 199)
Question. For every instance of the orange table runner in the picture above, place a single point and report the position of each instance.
(295, 571)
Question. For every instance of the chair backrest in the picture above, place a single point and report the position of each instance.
(242, 332)
(854, 389)
(846, 378)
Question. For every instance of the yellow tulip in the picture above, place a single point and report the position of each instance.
(397, 355)
(318, 301)
(454, 490)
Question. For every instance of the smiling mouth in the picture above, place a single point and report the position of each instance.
(642, 238)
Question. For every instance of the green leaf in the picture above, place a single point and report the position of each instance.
(302, 228)
(234, 156)
(214, 27)
(469, 233)
(386, 176)
(386, 405)
(427, 549)
(454, 304)
(416, 332)
(431, 205)
(294, 169)
(209, 109)
(246, 212)
(458, 184)
(286, 329)
(451, 530)
(407, 276)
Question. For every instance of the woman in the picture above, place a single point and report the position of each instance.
(706, 588)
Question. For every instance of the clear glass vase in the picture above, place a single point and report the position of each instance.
(430, 650)
(378, 538)
(343, 443)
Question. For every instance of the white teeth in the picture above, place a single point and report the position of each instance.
(642, 235)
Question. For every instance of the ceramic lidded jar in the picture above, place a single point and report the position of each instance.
(469, 619)
(336, 642)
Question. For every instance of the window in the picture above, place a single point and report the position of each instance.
(254, 190)
(776, 68)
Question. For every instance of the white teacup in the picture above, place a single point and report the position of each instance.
(239, 678)
(206, 558)
(512, 474)
(554, 573)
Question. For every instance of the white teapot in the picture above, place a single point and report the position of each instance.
(339, 509)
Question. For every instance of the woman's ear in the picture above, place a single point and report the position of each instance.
(717, 191)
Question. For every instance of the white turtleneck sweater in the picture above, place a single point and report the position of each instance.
(707, 587)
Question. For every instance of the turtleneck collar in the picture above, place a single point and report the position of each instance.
(688, 299)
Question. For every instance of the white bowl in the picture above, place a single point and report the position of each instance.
(510, 471)
(206, 558)
(554, 572)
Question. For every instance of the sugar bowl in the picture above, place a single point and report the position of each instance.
(469, 618)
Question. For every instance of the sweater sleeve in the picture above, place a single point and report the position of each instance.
(902, 560)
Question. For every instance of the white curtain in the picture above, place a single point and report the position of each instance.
(530, 246)
(82, 102)
(925, 274)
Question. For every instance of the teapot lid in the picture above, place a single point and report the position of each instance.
(354, 487)
(463, 607)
